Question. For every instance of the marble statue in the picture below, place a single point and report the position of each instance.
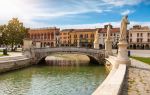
(96, 41)
(96, 37)
(122, 57)
(108, 43)
(123, 28)
(108, 32)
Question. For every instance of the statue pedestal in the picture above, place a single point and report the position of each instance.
(108, 48)
(96, 45)
(122, 57)
(38, 44)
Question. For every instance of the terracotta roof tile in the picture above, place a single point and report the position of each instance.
(104, 30)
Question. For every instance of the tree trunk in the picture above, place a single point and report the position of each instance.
(12, 46)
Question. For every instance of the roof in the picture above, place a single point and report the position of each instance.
(66, 30)
(84, 30)
(140, 28)
(104, 30)
(45, 28)
(78, 30)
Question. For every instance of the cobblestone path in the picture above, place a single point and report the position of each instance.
(137, 80)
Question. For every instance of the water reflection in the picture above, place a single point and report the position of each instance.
(47, 80)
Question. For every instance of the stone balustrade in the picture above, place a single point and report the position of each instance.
(113, 83)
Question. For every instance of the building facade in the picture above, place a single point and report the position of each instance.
(139, 37)
(77, 37)
(47, 37)
(114, 36)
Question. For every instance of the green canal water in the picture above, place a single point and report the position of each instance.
(52, 80)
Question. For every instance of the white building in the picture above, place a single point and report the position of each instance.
(114, 35)
(139, 37)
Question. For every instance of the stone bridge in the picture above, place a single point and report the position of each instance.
(39, 53)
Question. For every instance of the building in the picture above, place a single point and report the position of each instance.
(139, 37)
(64, 37)
(114, 35)
(77, 37)
(82, 37)
(47, 37)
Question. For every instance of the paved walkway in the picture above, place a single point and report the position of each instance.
(140, 53)
(13, 54)
(137, 81)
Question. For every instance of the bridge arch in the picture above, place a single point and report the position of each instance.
(93, 60)
(94, 54)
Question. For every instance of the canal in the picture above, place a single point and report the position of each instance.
(52, 80)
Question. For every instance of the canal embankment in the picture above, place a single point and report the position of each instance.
(8, 63)
(113, 83)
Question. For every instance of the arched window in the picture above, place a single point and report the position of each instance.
(52, 35)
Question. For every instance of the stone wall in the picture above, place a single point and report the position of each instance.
(113, 83)
(39, 53)
(13, 64)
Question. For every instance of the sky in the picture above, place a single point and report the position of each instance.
(75, 13)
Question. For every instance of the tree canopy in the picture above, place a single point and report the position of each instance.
(13, 33)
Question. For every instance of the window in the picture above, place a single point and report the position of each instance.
(137, 34)
(130, 40)
(137, 40)
(141, 34)
(86, 36)
(75, 36)
(131, 35)
(92, 35)
(81, 36)
(148, 34)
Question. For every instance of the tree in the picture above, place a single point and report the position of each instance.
(3, 39)
(14, 33)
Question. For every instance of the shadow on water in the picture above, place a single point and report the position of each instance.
(42, 62)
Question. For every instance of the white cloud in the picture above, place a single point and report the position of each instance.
(30, 11)
(123, 2)
(101, 25)
(89, 26)
(127, 12)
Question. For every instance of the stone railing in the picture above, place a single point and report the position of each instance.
(67, 49)
(114, 81)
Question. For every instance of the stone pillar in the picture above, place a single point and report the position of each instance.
(108, 48)
(38, 44)
(122, 57)
(27, 45)
(108, 43)
(96, 41)
(54, 39)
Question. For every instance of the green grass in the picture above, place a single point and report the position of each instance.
(143, 59)
(3, 55)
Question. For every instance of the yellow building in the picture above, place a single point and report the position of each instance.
(64, 37)
(77, 37)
